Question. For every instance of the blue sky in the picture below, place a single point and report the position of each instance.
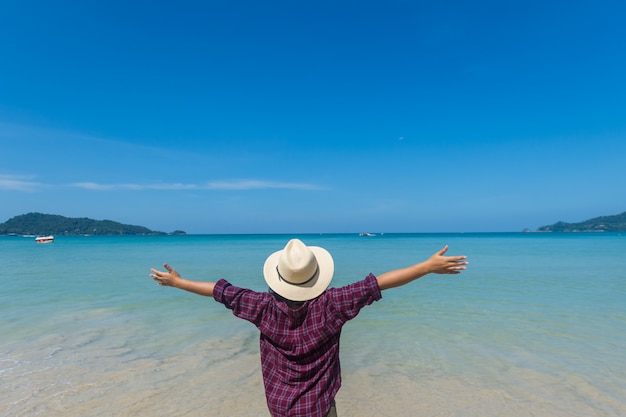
(307, 117)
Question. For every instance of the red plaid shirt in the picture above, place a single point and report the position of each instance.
(300, 347)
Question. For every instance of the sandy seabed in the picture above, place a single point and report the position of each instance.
(223, 378)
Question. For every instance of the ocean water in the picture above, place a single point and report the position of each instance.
(535, 327)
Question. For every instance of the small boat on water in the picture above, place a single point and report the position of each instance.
(44, 239)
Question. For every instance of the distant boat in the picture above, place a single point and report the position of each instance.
(366, 234)
(44, 239)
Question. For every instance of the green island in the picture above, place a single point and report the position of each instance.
(52, 224)
(616, 223)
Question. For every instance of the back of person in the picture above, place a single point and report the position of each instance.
(300, 347)
(301, 322)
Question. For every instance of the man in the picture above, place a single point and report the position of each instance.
(300, 319)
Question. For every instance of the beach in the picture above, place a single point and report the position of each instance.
(535, 326)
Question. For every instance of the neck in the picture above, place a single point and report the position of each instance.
(294, 305)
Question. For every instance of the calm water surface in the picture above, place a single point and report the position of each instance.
(535, 326)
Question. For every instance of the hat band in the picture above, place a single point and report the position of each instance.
(280, 277)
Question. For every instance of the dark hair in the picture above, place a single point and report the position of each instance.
(290, 303)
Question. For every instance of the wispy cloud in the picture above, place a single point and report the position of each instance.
(28, 184)
(258, 184)
(129, 186)
(211, 185)
(18, 183)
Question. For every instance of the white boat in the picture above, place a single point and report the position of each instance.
(44, 239)
(366, 234)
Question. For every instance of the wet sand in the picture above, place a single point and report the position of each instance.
(79, 378)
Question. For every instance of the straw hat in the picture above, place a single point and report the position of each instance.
(299, 272)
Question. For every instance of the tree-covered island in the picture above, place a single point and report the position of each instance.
(52, 224)
(616, 223)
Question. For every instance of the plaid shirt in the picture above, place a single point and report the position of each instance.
(300, 347)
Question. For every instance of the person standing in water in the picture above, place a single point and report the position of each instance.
(300, 319)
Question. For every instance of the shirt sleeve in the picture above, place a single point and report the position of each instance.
(349, 300)
(244, 303)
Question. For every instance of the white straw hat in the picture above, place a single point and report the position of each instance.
(299, 272)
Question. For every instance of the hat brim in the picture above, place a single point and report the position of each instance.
(307, 291)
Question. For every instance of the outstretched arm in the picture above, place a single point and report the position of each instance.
(437, 264)
(171, 278)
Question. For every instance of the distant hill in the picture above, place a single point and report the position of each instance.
(52, 224)
(616, 223)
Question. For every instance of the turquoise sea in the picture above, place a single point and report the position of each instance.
(535, 327)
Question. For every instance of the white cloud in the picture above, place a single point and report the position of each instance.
(129, 186)
(18, 183)
(27, 184)
(258, 184)
(93, 186)
(212, 185)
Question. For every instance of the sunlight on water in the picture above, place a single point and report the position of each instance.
(536, 326)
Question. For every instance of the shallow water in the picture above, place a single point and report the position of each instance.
(536, 326)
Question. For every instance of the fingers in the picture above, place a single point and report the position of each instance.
(457, 265)
(159, 276)
(157, 273)
(451, 264)
(458, 261)
(166, 278)
(156, 278)
(443, 251)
